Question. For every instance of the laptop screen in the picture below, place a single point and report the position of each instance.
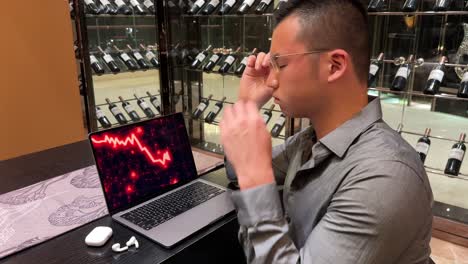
(142, 160)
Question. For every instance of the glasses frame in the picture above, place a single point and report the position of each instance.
(274, 58)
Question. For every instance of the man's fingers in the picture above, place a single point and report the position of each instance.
(266, 61)
(259, 61)
(251, 61)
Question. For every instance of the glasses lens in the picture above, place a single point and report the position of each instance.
(274, 63)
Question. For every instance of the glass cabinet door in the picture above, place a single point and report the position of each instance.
(431, 109)
(208, 46)
(120, 44)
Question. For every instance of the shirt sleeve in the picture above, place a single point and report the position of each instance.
(280, 161)
(372, 218)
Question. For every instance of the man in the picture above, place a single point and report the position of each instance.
(354, 190)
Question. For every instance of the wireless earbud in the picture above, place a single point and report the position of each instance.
(133, 241)
(116, 248)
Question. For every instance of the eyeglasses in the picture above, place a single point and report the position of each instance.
(274, 59)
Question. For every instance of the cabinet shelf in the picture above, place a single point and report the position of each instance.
(436, 137)
(123, 71)
(107, 27)
(442, 95)
(132, 99)
(129, 121)
(212, 72)
(229, 15)
(216, 123)
(431, 63)
(383, 13)
(231, 103)
(119, 16)
(460, 176)
(418, 13)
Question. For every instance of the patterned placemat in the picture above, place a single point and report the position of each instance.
(39, 212)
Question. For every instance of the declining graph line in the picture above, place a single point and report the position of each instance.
(133, 140)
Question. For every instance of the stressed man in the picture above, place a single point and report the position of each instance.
(353, 190)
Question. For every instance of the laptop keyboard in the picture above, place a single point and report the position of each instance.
(171, 205)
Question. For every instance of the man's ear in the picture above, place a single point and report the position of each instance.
(337, 64)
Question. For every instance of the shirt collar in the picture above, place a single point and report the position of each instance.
(340, 139)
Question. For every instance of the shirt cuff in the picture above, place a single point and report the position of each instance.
(258, 204)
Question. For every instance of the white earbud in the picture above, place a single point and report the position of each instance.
(116, 248)
(133, 241)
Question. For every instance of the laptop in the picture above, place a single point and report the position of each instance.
(150, 181)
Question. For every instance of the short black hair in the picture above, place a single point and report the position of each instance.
(342, 24)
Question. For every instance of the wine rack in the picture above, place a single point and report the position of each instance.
(108, 31)
(180, 37)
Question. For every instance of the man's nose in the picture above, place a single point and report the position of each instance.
(272, 80)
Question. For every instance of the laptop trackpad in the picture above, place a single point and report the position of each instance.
(187, 223)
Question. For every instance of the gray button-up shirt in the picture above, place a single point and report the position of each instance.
(359, 195)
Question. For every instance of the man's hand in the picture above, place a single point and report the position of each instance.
(253, 84)
(247, 144)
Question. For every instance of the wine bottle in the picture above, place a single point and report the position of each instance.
(102, 118)
(150, 6)
(210, 7)
(150, 56)
(216, 110)
(456, 157)
(201, 107)
(268, 113)
(244, 8)
(228, 61)
(374, 69)
(136, 54)
(279, 125)
(410, 6)
(175, 54)
(423, 145)
(108, 8)
(200, 58)
(442, 5)
(176, 97)
(401, 77)
(122, 7)
(399, 129)
(91, 7)
(214, 59)
(154, 100)
(435, 78)
(130, 110)
(376, 5)
(196, 7)
(131, 64)
(72, 9)
(76, 49)
(144, 107)
(137, 8)
(110, 62)
(243, 64)
(116, 112)
(95, 65)
(226, 7)
(463, 89)
(466, 6)
(262, 6)
(280, 5)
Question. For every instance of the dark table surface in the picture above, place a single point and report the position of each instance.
(216, 243)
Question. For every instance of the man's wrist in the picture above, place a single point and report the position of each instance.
(254, 178)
